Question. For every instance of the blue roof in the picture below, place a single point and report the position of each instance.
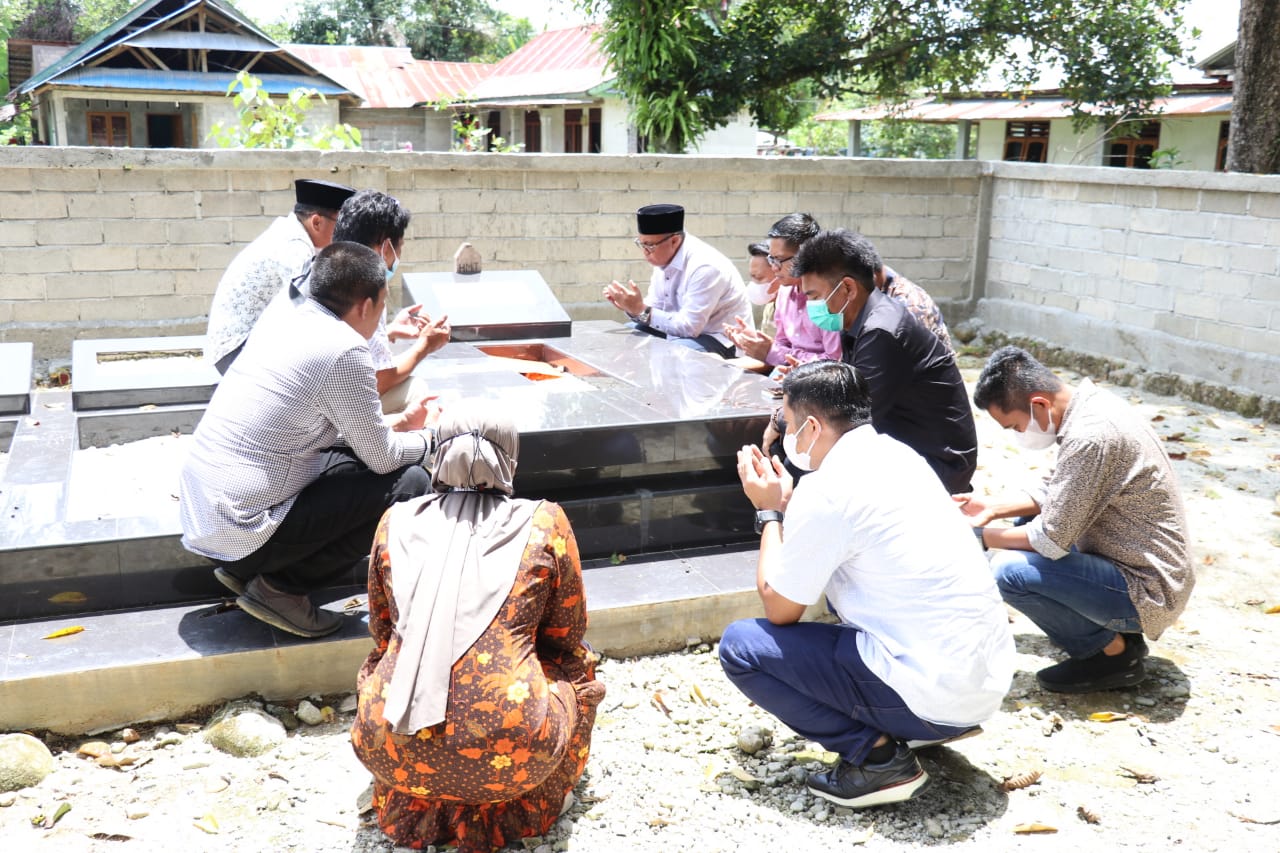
(216, 82)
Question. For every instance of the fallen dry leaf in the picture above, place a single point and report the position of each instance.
(660, 704)
(1157, 419)
(64, 632)
(1175, 436)
(1177, 455)
(1086, 815)
(353, 603)
(659, 821)
(1200, 453)
(94, 749)
(208, 824)
(216, 784)
(1245, 819)
(1020, 781)
(742, 775)
(68, 597)
(1254, 602)
(1107, 716)
(1138, 776)
(1034, 828)
(186, 728)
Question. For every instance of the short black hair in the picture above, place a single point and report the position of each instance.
(1010, 377)
(302, 211)
(796, 229)
(369, 217)
(344, 274)
(830, 390)
(835, 254)
(758, 250)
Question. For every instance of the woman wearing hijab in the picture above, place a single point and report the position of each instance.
(477, 702)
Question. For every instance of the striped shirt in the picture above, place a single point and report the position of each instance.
(1114, 493)
(304, 378)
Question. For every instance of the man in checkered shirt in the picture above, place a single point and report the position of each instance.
(268, 492)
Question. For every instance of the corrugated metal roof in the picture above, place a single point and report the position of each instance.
(180, 40)
(214, 82)
(1029, 109)
(389, 77)
(559, 62)
(162, 11)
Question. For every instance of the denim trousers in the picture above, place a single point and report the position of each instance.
(1080, 601)
(810, 676)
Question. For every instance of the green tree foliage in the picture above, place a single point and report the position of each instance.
(450, 30)
(688, 66)
(267, 123)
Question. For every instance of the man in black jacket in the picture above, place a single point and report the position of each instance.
(917, 395)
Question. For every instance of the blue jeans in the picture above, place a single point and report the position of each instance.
(1080, 601)
(810, 676)
(705, 342)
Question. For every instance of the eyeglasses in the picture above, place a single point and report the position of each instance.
(776, 262)
(649, 248)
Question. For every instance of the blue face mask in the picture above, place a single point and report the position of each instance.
(824, 318)
(391, 273)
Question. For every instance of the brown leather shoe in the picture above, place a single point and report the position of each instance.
(294, 614)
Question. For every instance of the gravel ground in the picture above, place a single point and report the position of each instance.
(1183, 766)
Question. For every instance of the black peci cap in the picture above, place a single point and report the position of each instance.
(660, 219)
(321, 194)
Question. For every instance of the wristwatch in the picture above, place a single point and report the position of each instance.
(764, 516)
(644, 316)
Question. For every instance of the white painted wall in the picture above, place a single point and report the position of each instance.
(736, 139)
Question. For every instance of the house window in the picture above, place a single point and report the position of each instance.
(1224, 138)
(593, 125)
(164, 131)
(573, 131)
(1134, 151)
(1026, 141)
(532, 131)
(109, 129)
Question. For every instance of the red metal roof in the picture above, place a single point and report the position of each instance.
(558, 62)
(556, 50)
(1029, 109)
(389, 77)
(555, 63)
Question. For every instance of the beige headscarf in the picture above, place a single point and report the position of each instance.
(454, 557)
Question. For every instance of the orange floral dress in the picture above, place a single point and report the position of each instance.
(522, 701)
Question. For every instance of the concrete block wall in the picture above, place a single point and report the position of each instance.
(119, 242)
(1175, 272)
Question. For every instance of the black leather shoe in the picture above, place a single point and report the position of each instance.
(858, 787)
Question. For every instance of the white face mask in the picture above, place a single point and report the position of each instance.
(794, 456)
(758, 292)
(1034, 437)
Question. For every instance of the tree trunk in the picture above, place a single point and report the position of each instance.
(1255, 110)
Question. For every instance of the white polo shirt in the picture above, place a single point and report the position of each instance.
(875, 531)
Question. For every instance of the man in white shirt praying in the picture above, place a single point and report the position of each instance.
(922, 653)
